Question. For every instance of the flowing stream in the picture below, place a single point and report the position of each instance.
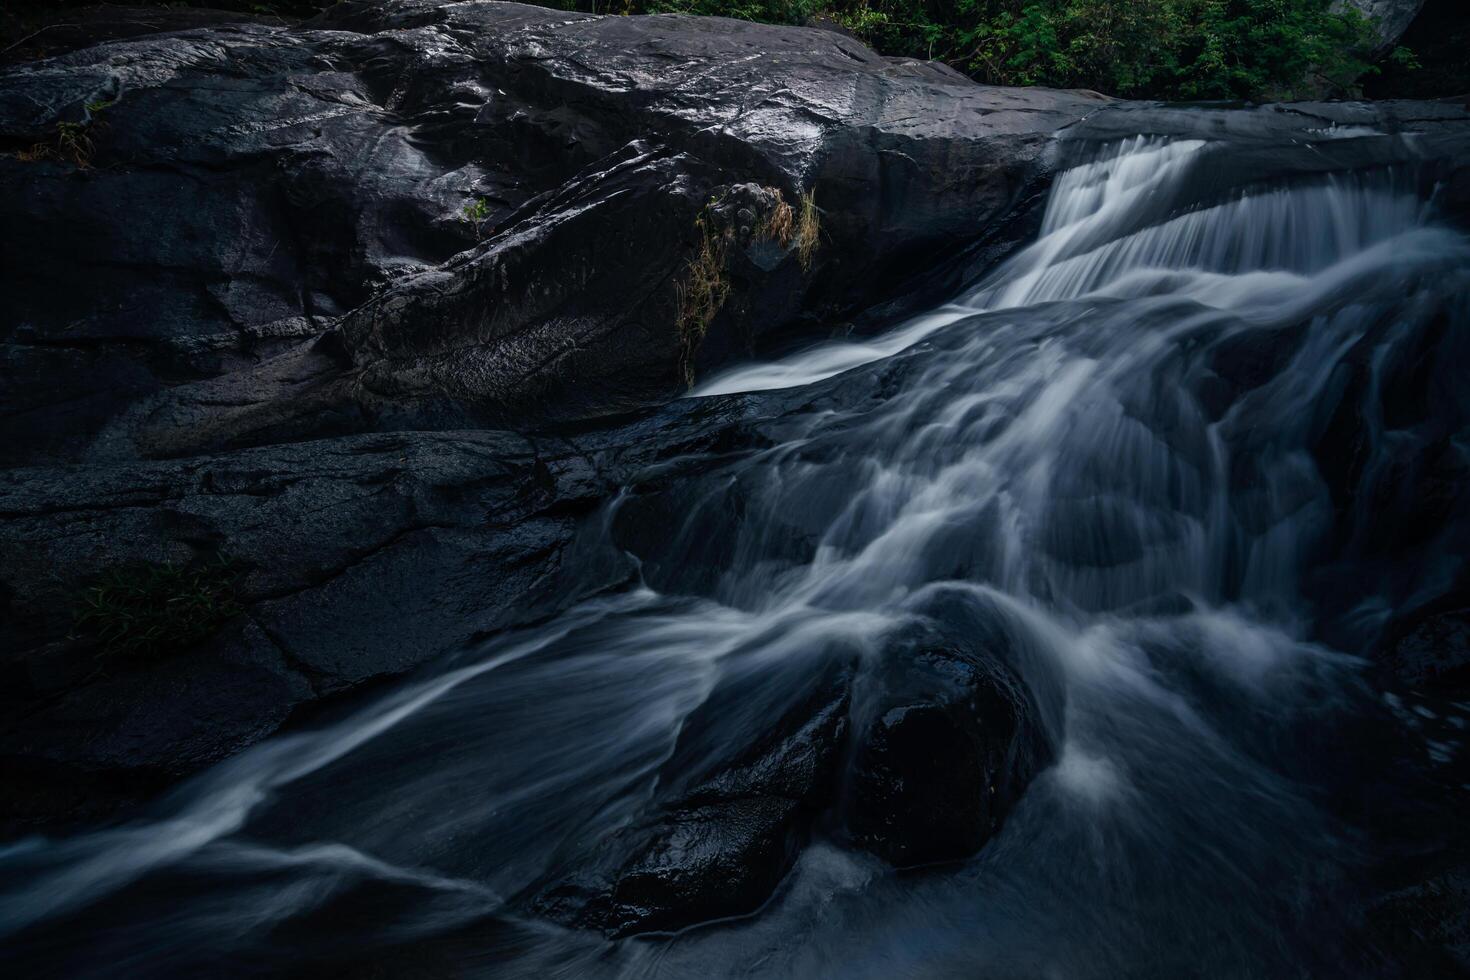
(1117, 449)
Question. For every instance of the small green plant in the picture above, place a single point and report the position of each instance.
(475, 214)
(153, 609)
(702, 293)
(72, 142)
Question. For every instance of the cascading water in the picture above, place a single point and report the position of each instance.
(1118, 449)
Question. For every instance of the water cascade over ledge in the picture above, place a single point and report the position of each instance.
(1153, 466)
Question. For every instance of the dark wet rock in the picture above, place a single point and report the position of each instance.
(302, 172)
(1390, 18)
(359, 559)
(582, 287)
(1417, 919)
(952, 740)
(705, 862)
(62, 28)
(1429, 142)
(1426, 925)
(1433, 650)
(730, 813)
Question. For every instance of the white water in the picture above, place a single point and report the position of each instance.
(1046, 454)
(1098, 239)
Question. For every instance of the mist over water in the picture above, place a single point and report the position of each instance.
(1113, 456)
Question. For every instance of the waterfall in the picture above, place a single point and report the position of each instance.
(1117, 447)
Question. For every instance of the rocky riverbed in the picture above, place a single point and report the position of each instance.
(355, 327)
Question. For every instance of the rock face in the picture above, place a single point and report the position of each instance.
(339, 545)
(302, 172)
(1390, 18)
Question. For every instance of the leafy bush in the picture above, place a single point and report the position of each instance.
(1177, 49)
(475, 214)
(1172, 49)
(153, 609)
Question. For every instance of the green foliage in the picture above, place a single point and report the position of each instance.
(765, 11)
(1170, 49)
(475, 213)
(155, 609)
(72, 142)
(1174, 49)
(1265, 47)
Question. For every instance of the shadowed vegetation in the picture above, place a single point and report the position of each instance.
(1178, 49)
(808, 230)
(701, 293)
(153, 609)
(798, 229)
(1170, 49)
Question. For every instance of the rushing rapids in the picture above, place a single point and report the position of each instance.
(1120, 459)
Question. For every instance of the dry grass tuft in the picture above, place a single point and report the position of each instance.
(779, 224)
(35, 154)
(73, 143)
(808, 230)
(701, 295)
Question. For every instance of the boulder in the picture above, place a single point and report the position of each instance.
(917, 758)
(952, 740)
(519, 191)
(354, 559)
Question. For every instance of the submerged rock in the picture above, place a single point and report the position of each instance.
(730, 813)
(916, 757)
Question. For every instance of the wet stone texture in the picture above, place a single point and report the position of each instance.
(419, 312)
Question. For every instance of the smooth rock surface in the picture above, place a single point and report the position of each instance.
(729, 815)
(952, 743)
(299, 172)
